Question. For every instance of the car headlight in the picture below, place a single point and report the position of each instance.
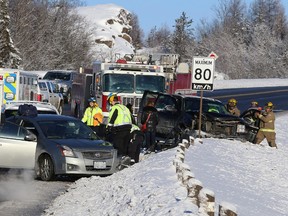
(66, 151)
(241, 128)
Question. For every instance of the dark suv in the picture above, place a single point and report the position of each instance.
(179, 118)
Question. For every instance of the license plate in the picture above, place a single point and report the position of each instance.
(240, 128)
(99, 164)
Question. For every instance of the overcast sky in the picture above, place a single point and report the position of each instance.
(162, 12)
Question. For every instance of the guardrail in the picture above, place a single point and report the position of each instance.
(200, 196)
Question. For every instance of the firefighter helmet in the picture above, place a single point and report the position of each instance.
(254, 104)
(232, 101)
(92, 99)
(269, 105)
(111, 97)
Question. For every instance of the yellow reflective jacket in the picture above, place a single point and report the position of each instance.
(89, 114)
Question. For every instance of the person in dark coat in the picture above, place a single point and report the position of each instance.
(150, 117)
(136, 142)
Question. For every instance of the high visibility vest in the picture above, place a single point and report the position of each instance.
(124, 116)
(134, 128)
(89, 114)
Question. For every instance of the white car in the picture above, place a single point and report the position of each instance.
(11, 108)
(47, 91)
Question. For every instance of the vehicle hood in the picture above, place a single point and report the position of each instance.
(221, 117)
(84, 143)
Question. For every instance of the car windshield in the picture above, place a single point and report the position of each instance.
(123, 83)
(51, 75)
(193, 104)
(128, 83)
(152, 83)
(66, 129)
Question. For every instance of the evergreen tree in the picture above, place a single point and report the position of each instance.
(9, 55)
(182, 37)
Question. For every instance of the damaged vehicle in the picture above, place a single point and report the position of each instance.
(179, 118)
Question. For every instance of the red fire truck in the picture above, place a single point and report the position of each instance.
(127, 80)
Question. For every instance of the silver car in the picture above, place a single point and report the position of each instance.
(64, 146)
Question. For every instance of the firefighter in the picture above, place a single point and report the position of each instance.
(119, 126)
(93, 115)
(150, 117)
(267, 126)
(254, 104)
(232, 108)
(136, 142)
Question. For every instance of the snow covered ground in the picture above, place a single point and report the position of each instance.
(252, 178)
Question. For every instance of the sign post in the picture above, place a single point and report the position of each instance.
(202, 79)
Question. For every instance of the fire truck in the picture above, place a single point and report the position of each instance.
(128, 80)
(178, 74)
(81, 91)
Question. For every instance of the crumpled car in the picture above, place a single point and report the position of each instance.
(179, 118)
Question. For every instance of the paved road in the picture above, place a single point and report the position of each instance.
(21, 195)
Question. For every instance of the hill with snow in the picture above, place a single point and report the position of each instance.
(109, 26)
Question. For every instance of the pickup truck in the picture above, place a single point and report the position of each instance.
(49, 93)
(63, 79)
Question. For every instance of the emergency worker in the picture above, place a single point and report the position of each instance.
(119, 126)
(232, 108)
(93, 115)
(130, 107)
(254, 104)
(136, 142)
(150, 118)
(267, 126)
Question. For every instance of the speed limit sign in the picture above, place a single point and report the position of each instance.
(203, 73)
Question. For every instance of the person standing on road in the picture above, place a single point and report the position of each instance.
(93, 115)
(151, 119)
(267, 126)
(119, 126)
(130, 107)
(136, 142)
(232, 108)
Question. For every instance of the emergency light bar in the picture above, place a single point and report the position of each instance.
(131, 67)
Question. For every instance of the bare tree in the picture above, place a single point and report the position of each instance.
(136, 32)
(160, 39)
(272, 14)
(50, 35)
(9, 55)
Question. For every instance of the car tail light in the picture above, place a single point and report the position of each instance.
(39, 97)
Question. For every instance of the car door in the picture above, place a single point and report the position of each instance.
(168, 113)
(43, 91)
(15, 149)
(52, 94)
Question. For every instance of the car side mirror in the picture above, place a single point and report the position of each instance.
(30, 137)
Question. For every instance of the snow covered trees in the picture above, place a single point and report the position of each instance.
(9, 55)
(49, 34)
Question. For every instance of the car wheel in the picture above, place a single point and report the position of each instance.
(46, 168)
